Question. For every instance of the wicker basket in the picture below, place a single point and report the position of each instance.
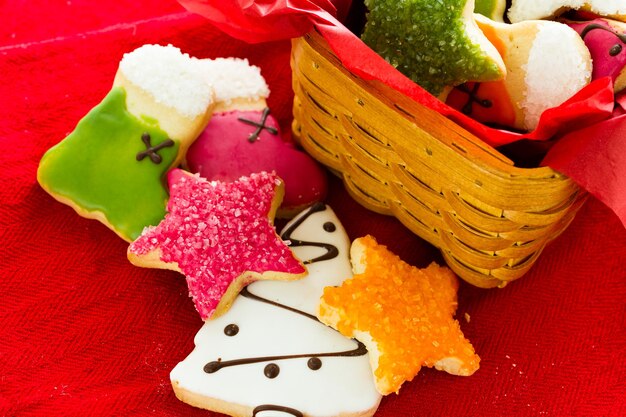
(490, 219)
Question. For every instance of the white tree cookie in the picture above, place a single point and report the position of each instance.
(269, 356)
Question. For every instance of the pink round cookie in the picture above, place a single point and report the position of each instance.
(606, 41)
(238, 143)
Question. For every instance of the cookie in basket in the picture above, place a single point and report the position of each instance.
(403, 315)
(493, 9)
(436, 44)
(243, 137)
(269, 355)
(220, 235)
(398, 161)
(546, 62)
(112, 166)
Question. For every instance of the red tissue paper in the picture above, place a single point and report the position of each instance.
(589, 109)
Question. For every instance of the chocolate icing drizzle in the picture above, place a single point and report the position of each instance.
(231, 330)
(246, 293)
(330, 227)
(331, 250)
(615, 49)
(270, 407)
(152, 151)
(271, 370)
(472, 97)
(314, 363)
(215, 366)
(259, 125)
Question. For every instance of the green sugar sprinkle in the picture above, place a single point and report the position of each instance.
(426, 41)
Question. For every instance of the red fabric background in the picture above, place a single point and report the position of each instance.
(83, 332)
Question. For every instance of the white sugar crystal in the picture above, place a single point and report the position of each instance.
(234, 78)
(554, 57)
(173, 78)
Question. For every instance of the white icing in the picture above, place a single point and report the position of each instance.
(188, 84)
(234, 78)
(173, 78)
(342, 385)
(557, 53)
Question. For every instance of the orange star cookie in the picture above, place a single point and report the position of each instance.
(403, 314)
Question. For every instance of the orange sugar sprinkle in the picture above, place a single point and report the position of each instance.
(407, 312)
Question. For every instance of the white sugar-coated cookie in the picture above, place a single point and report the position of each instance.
(547, 63)
(238, 84)
(268, 356)
(521, 10)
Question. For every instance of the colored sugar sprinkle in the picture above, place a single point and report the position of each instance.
(173, 78)
(428, 42)
(406, 313)
(220, 233)
(234, 78)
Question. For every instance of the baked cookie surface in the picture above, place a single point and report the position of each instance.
(269, 355)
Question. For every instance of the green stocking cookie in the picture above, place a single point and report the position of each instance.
(112, 166)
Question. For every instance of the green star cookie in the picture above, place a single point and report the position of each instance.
(435, 43)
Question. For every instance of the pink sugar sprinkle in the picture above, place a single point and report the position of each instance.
(217, 232)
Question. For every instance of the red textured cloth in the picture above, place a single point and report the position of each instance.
(85, 333)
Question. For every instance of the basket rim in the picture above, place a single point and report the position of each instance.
(489, 157)
(398, 157)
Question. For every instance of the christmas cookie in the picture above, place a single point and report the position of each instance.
(435, 43)
(546, 63)
(493, 9)
(606, 41)
(521, 10)
(112, 166)
(243, 137)
(220, 236)
(269, 355)
(404, 315)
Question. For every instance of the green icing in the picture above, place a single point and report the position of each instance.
(96, 167)
(426, 41)
(489, 8)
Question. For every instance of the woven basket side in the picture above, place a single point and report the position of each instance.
(489, 218)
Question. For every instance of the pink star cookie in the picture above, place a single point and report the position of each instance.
(220, 235)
